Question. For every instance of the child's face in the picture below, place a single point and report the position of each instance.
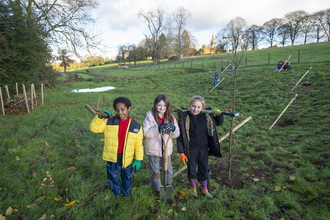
(196, 107)
(122, 111)
(161, 107)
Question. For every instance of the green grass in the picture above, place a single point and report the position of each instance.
(298, 150)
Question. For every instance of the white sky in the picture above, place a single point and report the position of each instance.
(119, 21)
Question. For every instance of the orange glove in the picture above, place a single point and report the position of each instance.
(183, 158)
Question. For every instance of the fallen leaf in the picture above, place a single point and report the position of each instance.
(292, 178)
(136, 216)
(184, 209)
(36, 202)
(277, 188)
(174, 204)
(70, 204)
(16, 210)
(57, 199)
(284, 187)
(170, 211)
(255, 179)
(262, 203)
(17, 158)
(181, 193)
(43, 217)
(47, 144)
(67, 200)
(71, 168)
(2, 217)
(9, 211)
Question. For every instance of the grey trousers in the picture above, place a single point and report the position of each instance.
(154, 163)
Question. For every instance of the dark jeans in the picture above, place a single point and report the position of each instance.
(198, 157)
(125, 174)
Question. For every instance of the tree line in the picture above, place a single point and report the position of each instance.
(294, 26)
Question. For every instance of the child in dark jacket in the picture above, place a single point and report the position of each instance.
(198, 139)
(122, 139)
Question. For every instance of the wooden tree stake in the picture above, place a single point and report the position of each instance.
(26, 100)
(7, 91)
(34, 95)
(235, 128)
(31, 96)
(302, 78)
(42, 93)
(283, 111)
(218, 84)
(2, 106)
(16, 89)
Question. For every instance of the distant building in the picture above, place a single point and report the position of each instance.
(210, 49)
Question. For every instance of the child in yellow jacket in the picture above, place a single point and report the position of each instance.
(122, 139)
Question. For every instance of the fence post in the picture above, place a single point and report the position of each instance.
(227, 63)
(202, 66)
(8, 96)
(163, 66)
(191, 64)
(42, 93)
(26, 100)
(182, 64)
(298, 56)
(245, 61)
(175, 64)
(268, 58)
(2, 105)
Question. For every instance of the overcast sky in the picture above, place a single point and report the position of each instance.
(121, 25)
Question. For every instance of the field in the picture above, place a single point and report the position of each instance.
(49, 158)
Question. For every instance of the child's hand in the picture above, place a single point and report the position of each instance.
(137, 163)
(183, 158)
(216, 112)
(106, 112)
(168, 128)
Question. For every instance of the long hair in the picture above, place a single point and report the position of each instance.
(168, 114)
(197, 98)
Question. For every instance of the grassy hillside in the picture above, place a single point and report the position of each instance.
(50, 153)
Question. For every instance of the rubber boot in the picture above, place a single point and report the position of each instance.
(204, 189)
(193, 187)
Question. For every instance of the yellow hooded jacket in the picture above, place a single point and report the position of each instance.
(133, 139)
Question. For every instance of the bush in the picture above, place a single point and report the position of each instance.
(173, 58)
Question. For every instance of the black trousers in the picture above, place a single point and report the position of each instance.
(198, 157)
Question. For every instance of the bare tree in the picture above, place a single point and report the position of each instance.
(318, 22)
(180, 18)
(270, 28)
(236, 32)
(156, 23)
(236, 28)
(253, 36)
(66, 23)
(293, 21)
(307, 26)
(283, 34)
(326, 26)
(222, 40)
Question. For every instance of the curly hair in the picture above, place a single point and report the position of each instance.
(122, 99)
